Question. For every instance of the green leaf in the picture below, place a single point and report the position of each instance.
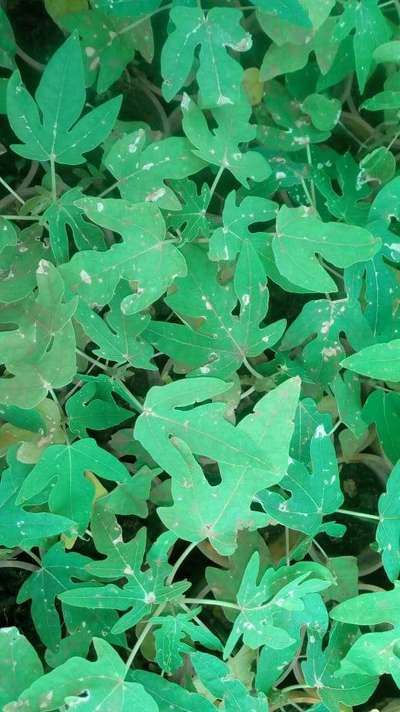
(324, 112)
(217, 678)
(169, 696)
(379, 165)
(63, 468)
(347, 391)
(101, 683)
(64, 215)
(57, 133)
(388, 52)
(141, 171)
(321, 667)
(371, 30)
(221, 146)
(221, 341)
(144, 252)
(19, 527)
(94, 407)
(261, 601)
(383, 409)
(218, 512)
(109, 43)
(190, 219)
(142, 591)
(8, 234)
(384, 100)
(313, 495)
(171, 635)
(388, 530)
(58, 573)
(219, 74)
(19, 262)
(300, 237)
(373, 654)
(378, 361)
(292, 11)
(370, 608)
(7, 46)
(20, 665)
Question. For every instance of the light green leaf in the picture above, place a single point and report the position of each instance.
(378, 361)
(169, 696)
(370, 608)
(99, 685)
(217, 678)
(171, 635)
(219, 75)
(144, 257)
(63, 467)
(141, 171)
(388, 531)
(300, 237)
(383, 409)
(221, 146)
(57, 133)
(324, 112)
(20, 665)
(191, 218)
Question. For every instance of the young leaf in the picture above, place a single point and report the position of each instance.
(191, 218)
(94, 407)
(217, 678)
(59, 572)
(170, 636)
(50, 128)
(169, 696)
(219, 74)
(312, 495)
(370, 608)
(64, 467)
(19, 527)
(220, 146)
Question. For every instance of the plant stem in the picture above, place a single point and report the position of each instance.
(309, 161)
(18, 565)
(292, 688)
(29, 60)
(53, 179)
(12, 191)
(20, 217)
(180, 561)
(362, 515)
(251, 369)
(216, 181)
(92, 360)
(212, 602)
(142, 636)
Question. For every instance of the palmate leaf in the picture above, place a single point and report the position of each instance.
(321, 670)
(141, 171)
(169, 696)
(221, 146)
(7, 43)
(217, 678)
(109, 43)
(300, 237)
(219, 74)
(144, 256)
(59, 572)
(191, 218)
(119, 337)
(8, 234)
(129, 8)
(325, 320)
(202, 427)
(171, 635)
(30, 382)
(19, 527)
(58, 134)
(64, 467)
(99, 685)
(38, 318)
(94, 406)
(65, 214)
(218, 512)
(276, 591)
(313, 495)
(20, 665)
(383, 409)
(221, 341)
(19, 262)
(143, 589)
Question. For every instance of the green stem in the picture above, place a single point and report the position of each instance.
(19, 217)
(212, 602)
(146, 630)
(251, 369)
(92, 360)
(18, 565)
(131, 398)
(216, 181)
(130, 27)
(361, 515)
(309, 161)
(53, 179)
(180, 560)
(292, 688)
(12, 191)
